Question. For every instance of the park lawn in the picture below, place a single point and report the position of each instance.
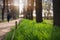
(30, 30)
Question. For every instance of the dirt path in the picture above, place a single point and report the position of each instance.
(5, 27)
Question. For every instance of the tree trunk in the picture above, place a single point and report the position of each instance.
(30, 10)
(39, 11)
(29, 14)
(3, 10)
(56, 11)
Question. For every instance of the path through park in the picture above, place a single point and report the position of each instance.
(6, 26)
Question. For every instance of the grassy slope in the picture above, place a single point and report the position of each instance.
(30, 30)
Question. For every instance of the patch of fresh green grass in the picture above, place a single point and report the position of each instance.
(30, 30)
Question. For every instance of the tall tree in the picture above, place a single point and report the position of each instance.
(39, 11)
(3, 10)
(30, 9)
(56, 12)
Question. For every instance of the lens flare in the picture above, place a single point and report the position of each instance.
(19, 4)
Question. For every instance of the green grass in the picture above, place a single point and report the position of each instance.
(30, 30)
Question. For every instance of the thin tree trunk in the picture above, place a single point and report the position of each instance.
(29, 14)
(3, 10)
(39, 11)
(31, 11)
(18, 10)
(7, 6)
(56, 11)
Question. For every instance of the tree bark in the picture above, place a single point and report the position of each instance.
(39, 11)
(30, 9)
(56, 12)
(3, 10)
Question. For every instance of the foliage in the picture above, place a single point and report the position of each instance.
(30, 30)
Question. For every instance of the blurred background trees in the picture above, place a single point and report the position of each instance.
(31, 8)
(8, 5)
(3, 9)
(47, 9)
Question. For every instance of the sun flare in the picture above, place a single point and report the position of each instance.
(20, 4)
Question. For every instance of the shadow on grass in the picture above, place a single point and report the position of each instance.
(55, 33)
